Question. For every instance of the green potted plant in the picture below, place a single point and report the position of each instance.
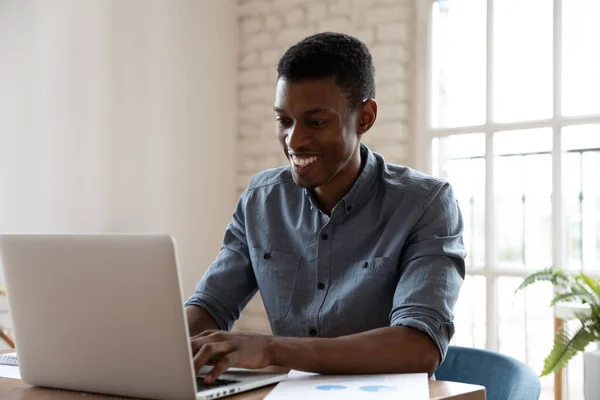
(574, 287)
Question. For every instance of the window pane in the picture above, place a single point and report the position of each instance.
(509, 211)
(526, 325)
(523, 189)
(459, 159)
(581, 137)
(470, 319)
(460, 146)
(573, 205)
(538, 211)
(467, 177)
(511, 318)
(526, 141)
(582, 195)
(580, 57)
(522, 54)
(458, 63)
(591, 210)
(539, 321)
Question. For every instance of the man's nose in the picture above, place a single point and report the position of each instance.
(296, 137)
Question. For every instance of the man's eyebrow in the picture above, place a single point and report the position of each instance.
(316, 110)
(312, 111)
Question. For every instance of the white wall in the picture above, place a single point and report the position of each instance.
(120, 115)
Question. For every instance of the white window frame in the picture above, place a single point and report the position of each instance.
(425, 133)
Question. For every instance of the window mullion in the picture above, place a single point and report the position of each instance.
(490, 242)
(490, 248)
(558, 215)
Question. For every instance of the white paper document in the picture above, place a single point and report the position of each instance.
(10, 371)
(300, 385)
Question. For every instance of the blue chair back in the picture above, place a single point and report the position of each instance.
(504, 377)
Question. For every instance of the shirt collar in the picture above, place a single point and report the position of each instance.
(363, 185)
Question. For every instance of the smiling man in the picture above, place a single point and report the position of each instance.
(358, 262)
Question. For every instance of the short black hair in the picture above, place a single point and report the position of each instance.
(341, 57)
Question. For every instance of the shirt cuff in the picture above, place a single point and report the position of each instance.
(213, 307)
(439, 332)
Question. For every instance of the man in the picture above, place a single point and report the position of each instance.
(359, 263)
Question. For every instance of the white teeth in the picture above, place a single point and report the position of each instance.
(303, 161)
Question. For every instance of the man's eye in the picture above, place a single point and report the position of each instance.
(284, 121)
(316, 122)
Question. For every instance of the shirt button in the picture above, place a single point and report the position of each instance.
(324, 236)
(267, 256)
(321, 286)
(313, 332)
(349, 208)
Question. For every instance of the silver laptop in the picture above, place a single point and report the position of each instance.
(104, 313)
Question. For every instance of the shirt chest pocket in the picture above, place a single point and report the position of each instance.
(373, 266)
(365, 294)
(276, 274)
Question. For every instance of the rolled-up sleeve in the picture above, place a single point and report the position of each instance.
(229, 283)
(432, 270)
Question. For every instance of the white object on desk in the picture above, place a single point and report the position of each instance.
(10, 371)
(8, 359)
(8, 366)
(301, 385)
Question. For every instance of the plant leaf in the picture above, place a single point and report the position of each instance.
(581, 296)
(566, 347)
(556, 277)
(592, 284)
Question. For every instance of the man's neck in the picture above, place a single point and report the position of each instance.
(330, 194)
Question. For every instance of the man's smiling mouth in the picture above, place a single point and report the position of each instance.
(303, 161)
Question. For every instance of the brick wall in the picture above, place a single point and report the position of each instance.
(267, 29)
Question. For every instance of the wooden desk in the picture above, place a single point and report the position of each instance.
(15, 389)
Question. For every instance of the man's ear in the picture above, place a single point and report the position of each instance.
(366, 115)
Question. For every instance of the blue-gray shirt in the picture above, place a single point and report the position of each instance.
(390, 254)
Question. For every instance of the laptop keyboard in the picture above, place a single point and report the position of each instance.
(217, 383)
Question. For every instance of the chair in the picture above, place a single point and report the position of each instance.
(503, 377)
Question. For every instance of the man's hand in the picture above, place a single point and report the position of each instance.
(227, 349)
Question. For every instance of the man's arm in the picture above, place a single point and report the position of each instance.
(396, 349)
(432, 270)
(199, 320)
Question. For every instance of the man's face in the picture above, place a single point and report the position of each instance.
(316, 129)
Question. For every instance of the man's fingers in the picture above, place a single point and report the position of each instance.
(208, 332)
(225, 362)
(206, 337)
(210, 350)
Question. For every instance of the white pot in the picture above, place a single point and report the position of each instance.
(591, 373)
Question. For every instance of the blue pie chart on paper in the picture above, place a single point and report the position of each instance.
(378, 389)
(331, 387)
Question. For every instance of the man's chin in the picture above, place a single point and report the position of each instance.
(304, 183)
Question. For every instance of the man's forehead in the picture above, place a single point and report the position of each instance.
(309, 95)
